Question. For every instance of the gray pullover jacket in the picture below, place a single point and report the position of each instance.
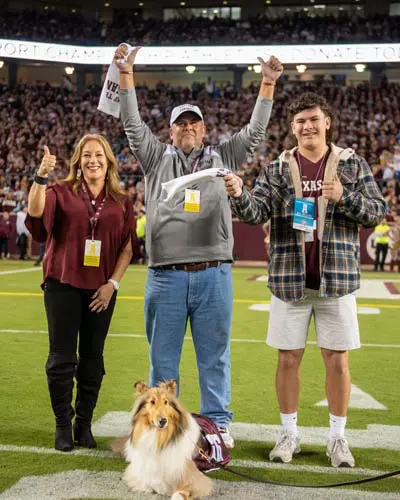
(174, 236)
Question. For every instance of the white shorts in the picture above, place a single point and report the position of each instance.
(336, 322)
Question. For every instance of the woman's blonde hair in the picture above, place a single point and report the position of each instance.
(112, 184)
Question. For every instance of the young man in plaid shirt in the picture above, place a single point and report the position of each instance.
(316, 196)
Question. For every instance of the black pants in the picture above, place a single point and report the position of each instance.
(22, 244)
(4, 247)
(380, 255)
(69, 320)
(42, 250)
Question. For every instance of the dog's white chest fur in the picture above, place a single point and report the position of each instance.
(151, 469)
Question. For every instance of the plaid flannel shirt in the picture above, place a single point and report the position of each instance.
(273, 198)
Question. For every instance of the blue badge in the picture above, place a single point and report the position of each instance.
(304, 214)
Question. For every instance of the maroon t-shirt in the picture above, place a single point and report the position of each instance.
(5, 227)
(65, 227)
(312, 175)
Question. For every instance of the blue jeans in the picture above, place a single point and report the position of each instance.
(205, 298)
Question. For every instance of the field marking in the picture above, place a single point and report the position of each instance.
(391, 286)
(237, 301)
(246, 464)
(189, 338)
(359, 399)
(26, 270)
(107, 484)
(117, 424)
(21, 294)
(51, 451)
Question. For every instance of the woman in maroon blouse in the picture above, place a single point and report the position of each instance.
(87, 223)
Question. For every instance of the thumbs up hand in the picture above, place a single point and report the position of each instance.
(332, 189)
(48, 163)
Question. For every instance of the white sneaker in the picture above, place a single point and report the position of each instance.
(226, 436)
(287, 445)
(339, 453)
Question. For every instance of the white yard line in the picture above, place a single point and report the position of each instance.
(107, 484)
(16, 271)
(142, 336)
(257, 464)
(52, 451)
(117, 424)
(247, 464)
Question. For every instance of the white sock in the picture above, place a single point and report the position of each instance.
(289, 422)
(337, 426)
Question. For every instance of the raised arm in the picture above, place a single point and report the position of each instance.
(235, 151)
(37, 193)
(146, 148)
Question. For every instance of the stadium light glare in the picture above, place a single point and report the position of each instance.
(106, 4)
(301, 68)
(360, 68)
(257, 68)
(182, 4)
(1, 64)
(267, 2)
(69, 70)
(141, 4)
(190, 69)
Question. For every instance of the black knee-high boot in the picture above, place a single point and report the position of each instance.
(60, 371)
(89, 375)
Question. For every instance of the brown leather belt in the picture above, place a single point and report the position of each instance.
(194, 266)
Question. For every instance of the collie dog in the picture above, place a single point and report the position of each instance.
(162, 441)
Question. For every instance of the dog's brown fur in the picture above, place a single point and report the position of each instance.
(157, 411)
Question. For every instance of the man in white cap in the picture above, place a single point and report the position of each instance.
(189, 237)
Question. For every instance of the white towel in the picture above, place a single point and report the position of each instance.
(171, 187)
(109, 98)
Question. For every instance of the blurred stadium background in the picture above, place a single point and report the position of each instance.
(51, 102)
(54, 102)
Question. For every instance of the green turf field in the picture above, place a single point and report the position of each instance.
(27, 421)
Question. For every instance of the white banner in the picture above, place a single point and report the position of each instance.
(240, 54)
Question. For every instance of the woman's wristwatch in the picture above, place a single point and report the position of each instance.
(114, 283)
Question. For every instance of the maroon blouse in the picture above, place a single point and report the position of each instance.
(65, 227)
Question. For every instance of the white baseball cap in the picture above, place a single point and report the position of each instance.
(184, 108)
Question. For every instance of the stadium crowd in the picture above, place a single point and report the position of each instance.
(292, 28)
(368, 120)
(34, 116)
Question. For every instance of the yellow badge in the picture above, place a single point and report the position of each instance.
(192, 200)
(92, 253)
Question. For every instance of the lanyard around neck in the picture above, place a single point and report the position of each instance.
(94, 214)
(320, 165)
